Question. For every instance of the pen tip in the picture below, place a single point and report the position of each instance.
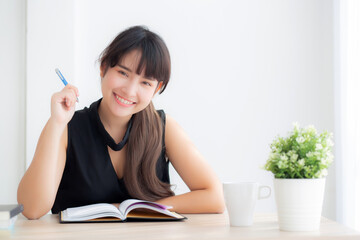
(56, 69)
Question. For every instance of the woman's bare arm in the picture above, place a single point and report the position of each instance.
(206, 195)
(38, 187)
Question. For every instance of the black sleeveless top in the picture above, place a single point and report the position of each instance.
(89, 176)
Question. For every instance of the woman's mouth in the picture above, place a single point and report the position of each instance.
(122, 101)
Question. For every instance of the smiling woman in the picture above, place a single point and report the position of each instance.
(121, 85)
(120, 147)
(126, 67)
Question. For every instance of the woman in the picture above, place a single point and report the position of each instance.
(119, 147)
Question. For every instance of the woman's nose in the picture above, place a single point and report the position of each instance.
(130, 88)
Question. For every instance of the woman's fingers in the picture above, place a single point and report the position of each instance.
(70, 98)
(63, 104)
(69, 95)
(72, 87)
(66, 97)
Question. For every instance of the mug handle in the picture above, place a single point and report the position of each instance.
(266, 196)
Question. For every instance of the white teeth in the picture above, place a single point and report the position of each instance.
(123, 100)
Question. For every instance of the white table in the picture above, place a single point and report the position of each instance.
(197, 226)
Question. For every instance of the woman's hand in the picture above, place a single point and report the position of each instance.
(63, 104)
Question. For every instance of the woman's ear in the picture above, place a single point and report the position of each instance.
(102, 70)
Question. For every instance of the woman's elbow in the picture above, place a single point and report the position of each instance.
(33, 213)
(34, 208)
(219, 207)
(218, 203)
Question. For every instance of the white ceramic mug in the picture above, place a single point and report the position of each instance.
(240, 198)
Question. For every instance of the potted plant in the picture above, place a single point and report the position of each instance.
(299, 163)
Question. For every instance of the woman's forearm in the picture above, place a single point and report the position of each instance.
(38, 187)
(198, 201)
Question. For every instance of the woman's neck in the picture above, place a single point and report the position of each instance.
(115, 126)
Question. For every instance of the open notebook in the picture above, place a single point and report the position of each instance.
(129, 210)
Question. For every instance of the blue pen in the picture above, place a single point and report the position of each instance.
(63, 79)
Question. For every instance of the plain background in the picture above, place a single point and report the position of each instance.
(242, 73)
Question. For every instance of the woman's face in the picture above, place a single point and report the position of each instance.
(125, 92)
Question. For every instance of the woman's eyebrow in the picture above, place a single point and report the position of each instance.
(126, 68)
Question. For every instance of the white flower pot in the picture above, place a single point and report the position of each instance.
(299, 203)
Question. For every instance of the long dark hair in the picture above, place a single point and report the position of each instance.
(145, 141)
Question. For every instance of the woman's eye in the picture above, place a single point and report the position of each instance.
(147, 84)
(123, 73)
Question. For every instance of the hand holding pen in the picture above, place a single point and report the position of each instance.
(63, 102)
(63, 80)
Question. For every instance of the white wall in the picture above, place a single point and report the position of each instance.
(12, 97)
(243, 71)
(347, 111)
(50, 45)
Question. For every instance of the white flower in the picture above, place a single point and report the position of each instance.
(318, 146)
(321, 173)
(283, 157)
(293, 157)
(282, 164)
(311, 129)
(301, 162)
(317, 174)
(307, 169)
(272, 156)
(300, 139)
(329, 142)
(329, 157)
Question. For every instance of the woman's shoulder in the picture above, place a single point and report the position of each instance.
(83, 120)
(81, 115)
(170, 121)
(171, 127)
(86, 113)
